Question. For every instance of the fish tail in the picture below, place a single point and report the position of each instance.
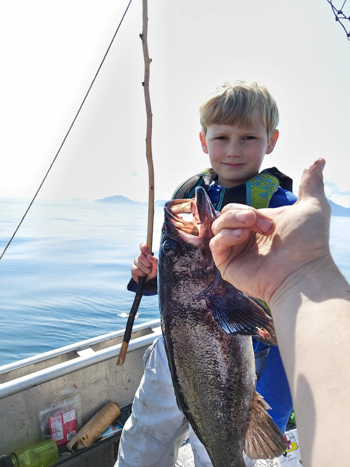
(264, 439)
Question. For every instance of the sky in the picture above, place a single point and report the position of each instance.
(51, 51)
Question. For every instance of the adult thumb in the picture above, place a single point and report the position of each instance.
(311, 184)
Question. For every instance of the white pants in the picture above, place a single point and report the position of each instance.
(157, 428)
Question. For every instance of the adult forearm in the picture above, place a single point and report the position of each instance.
(311, 312)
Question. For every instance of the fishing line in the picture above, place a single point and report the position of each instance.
(69, 130)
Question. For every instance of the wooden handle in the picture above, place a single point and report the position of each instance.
(88, 434)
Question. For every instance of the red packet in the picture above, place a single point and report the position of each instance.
(63, 426)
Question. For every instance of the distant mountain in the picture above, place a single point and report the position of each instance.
(338, 210)
(117, 199)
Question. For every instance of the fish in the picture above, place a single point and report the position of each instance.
(207, 325)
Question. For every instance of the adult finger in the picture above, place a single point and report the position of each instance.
(221, 245)
(234, 217)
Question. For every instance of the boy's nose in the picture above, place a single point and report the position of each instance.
(234, 149)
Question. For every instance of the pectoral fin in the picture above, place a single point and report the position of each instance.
(237, 313)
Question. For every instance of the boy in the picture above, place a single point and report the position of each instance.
(238, 127)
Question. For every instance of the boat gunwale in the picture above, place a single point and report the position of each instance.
(77, 346)
(48, 374)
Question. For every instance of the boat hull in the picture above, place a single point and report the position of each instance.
(30, 385)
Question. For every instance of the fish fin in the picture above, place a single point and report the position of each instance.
(264, 439)
(237, 313)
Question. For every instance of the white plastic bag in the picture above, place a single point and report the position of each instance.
(62, 419)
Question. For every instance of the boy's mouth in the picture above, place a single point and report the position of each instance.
(233, 164)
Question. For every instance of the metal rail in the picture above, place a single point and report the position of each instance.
(48, 374)
(73, 347)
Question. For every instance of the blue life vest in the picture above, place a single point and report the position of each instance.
(256, 192)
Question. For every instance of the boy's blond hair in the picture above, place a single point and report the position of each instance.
(235, 104)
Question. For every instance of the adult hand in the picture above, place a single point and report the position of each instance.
(282, 256)
(144, 264)
(257, 250)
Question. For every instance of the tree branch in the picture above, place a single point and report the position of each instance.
(145, 83)
(140, 285)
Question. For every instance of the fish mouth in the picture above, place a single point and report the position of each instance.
(192, 216)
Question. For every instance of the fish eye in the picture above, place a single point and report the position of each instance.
(170, 247)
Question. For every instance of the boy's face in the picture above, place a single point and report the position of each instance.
(237, 152)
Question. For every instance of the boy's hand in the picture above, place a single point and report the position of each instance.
(144, 265)
(257, 250)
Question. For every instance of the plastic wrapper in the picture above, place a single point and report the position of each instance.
(62, 419)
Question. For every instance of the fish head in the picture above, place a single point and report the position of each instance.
(185, 258)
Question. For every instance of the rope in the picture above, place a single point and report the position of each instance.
(68, 132)
(341, 17)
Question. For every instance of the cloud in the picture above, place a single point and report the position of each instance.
(336, 195)
(333, 193)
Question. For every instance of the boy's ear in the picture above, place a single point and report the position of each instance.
(272, 141)
(203, 142)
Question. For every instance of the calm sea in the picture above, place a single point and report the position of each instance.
(63, 278)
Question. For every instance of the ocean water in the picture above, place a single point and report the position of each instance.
(63, 279)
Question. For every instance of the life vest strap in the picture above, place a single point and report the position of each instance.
(256, 192)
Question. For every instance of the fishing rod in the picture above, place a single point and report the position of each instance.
(145, 84)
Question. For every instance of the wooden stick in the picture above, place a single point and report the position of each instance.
(89, 433)
(145, 84)
(140, 285)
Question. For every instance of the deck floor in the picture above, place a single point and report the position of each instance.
(185, 458)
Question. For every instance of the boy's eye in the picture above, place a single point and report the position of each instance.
(249, 137)
(221, 138)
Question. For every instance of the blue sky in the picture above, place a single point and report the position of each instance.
(51, 51)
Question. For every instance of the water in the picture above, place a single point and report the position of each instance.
(63, 278)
